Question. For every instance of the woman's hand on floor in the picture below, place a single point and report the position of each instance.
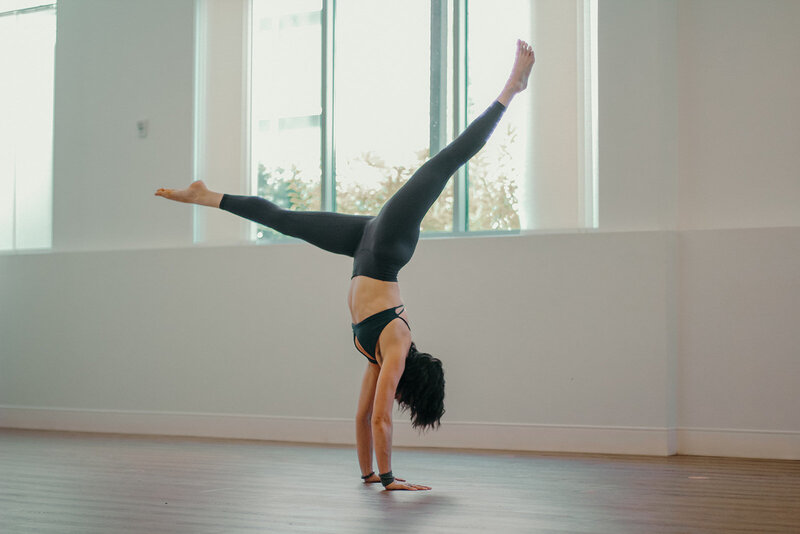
(402, 485)
(375, 478)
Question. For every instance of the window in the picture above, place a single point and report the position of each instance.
(381, 104)
(27, 61)
(350, 97)
(286, 135)
(495, 175)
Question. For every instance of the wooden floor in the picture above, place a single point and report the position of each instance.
(89, 483)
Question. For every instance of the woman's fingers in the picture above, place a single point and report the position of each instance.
(401, 486)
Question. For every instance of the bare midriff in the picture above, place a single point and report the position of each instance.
(368, 296)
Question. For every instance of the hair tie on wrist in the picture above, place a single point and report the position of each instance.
(386, 478)
(365, 477)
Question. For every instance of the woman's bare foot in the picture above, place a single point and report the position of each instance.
(518, 80)
(196, 193)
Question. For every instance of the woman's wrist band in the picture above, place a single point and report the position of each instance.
(365, 477)
(386, 478)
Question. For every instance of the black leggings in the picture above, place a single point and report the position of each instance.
(383, 244)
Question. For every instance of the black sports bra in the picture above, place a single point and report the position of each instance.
(369, 330)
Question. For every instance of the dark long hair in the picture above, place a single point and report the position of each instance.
(421, 389)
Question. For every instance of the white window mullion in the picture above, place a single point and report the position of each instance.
(438, 83)
(460, 200)
(328, 153)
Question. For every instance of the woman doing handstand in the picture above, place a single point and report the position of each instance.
(380, 246)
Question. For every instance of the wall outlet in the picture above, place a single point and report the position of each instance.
(142, 126)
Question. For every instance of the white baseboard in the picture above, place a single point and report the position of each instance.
(497, 436)
(542, 438)
(776, 445)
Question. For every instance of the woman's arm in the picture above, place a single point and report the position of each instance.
(394, 361)
(364, 420)
(390, 373)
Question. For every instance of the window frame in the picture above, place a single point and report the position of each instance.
(448, 117)
(32, 7)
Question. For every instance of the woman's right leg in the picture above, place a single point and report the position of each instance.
(404, 211)
(334, 232)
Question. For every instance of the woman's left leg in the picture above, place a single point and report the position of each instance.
(334, 232)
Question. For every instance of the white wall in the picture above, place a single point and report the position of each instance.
(740, 342)
(117, 63)
(740, 117)
(638, 114)
(598, 341)
(739, 255)
(223, 106)
(265, 330)
(698, 132)
(550, 194)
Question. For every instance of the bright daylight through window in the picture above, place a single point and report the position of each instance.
(350, 97)
(27, 62)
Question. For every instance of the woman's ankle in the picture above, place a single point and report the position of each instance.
(211, 199)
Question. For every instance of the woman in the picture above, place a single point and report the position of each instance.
(380, 247)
